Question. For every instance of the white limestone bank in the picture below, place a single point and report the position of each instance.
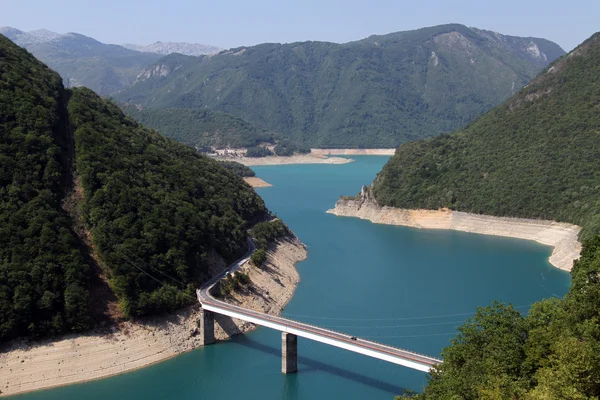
(354, 152)
(561, 236)
(27, 366)
(256, 182)
(295, 159)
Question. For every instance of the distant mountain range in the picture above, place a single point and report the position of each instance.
(84, 61)
(377, 92)
(188, 49)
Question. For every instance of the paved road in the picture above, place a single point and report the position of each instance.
(373, 349)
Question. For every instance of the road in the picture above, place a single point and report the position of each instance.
(370, 348)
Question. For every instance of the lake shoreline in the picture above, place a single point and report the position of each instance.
(316, 156)
(562, 237)
(277, 160)
(77, 358)
(354, 152)
(256, 182)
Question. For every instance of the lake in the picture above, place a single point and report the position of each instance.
(403, 286)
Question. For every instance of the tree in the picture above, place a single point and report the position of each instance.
(259, 257)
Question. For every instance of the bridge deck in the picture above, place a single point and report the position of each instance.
(370, 348)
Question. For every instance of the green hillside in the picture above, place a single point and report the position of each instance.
(535, 156)
(201, 128)
(83, 61)
(157, 213)
(377, 92)
(155, 200)
(43, 279)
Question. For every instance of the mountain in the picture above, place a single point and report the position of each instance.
(535, 156)
(83, 61)
(188, 49)
(376, 92)
(95, 207)
(201, 128)
(22, 38)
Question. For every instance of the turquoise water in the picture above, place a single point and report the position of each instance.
(402, 286)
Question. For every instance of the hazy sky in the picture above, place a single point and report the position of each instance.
(232, 23)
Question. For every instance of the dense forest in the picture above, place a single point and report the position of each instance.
(267, 232)
(377, 92)
(535, 156)
(157, 211)
(201, 128)
(43, 278)
(150, 199)
(237, 168)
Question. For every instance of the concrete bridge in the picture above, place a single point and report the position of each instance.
(292, 329)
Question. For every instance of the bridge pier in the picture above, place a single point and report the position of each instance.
(289, 353)
(207, 327)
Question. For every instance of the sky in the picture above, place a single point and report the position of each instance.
(234, 23)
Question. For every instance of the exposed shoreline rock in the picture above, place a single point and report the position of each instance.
(256, 182)
(563, 237)
(277, 160)
(27, 366)
(354, 152)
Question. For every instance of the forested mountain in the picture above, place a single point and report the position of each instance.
(43, 278)
(535, 156)
(83, 61)
(154, 213)
(200, 128)
(376, 92)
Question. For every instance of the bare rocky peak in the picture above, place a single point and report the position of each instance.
(541, 86)
(22, 38)
(188, 49)
(158, 70)
(10, 32)
(527, 45)
(44, 35)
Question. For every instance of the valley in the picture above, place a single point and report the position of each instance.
(433, 189)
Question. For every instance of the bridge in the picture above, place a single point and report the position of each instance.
(291, 329)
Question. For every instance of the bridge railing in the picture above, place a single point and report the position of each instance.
(284, 319)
